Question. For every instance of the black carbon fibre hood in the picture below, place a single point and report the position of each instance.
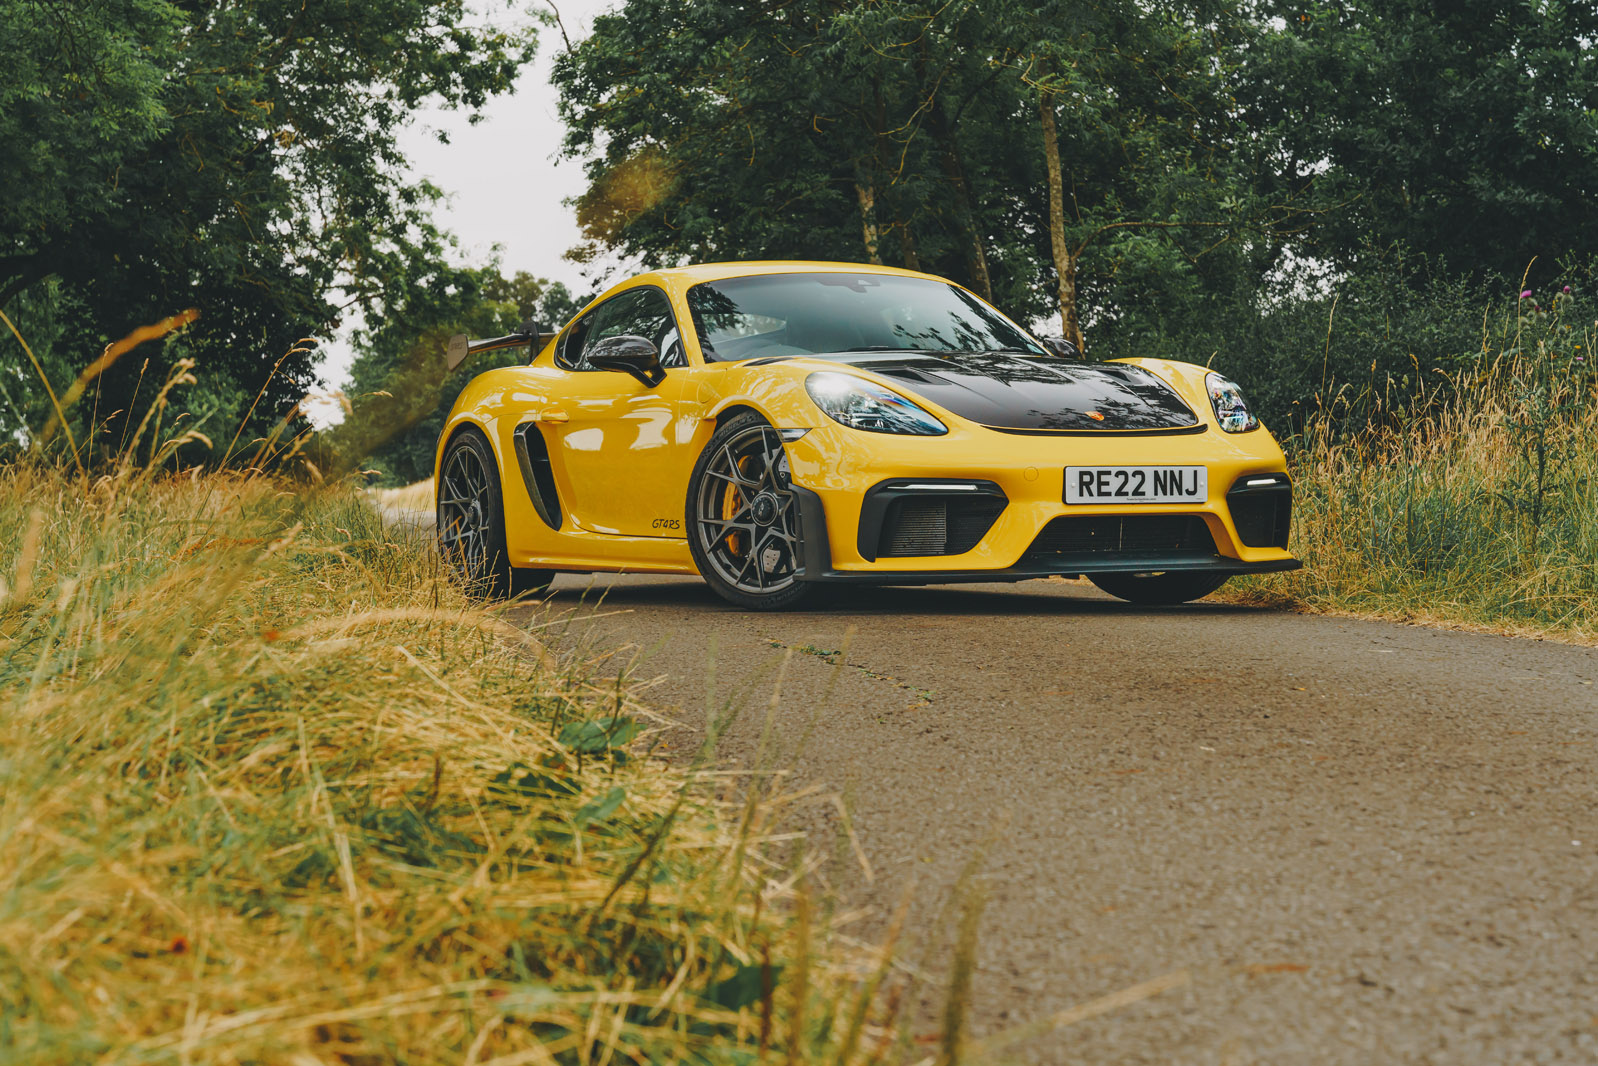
(1023, 394)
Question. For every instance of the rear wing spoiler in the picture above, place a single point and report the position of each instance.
(460, 346)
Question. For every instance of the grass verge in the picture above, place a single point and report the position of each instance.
(1480, 512)
(271, 790)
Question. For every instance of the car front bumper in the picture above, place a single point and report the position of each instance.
(840, 481)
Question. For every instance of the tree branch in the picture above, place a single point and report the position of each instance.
(21, 280)
(1107, 227)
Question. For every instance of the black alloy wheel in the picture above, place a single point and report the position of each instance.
(1160, 590)
(743, 520)
(471, 522)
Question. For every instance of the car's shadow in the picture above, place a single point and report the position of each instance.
(612, 592)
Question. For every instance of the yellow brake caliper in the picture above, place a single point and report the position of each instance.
(729, 507)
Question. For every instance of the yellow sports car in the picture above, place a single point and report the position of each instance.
(780, 427)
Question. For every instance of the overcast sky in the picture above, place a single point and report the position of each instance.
(500, 177)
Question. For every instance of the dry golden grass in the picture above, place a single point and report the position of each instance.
(271, 790)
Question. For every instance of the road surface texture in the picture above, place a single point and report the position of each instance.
(1365, 843)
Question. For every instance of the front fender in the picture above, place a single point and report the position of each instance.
(1188, 381)
(776, 393)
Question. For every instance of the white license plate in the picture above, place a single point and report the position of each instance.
(1136, 484)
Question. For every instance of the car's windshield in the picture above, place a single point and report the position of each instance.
(816, 313)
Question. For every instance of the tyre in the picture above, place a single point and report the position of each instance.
(1160, 590)
(743, 520)
(471, 522)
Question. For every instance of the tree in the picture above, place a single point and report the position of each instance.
(929, 135)
(1466, 131)
(238, 157)
(1150, 159)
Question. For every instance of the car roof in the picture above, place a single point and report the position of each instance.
(696, 273)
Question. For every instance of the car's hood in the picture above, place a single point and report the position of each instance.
(1015, 392)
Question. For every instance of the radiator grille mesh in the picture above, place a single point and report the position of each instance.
(937, 525)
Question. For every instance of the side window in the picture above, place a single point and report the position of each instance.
(641, 312)
(569, 352)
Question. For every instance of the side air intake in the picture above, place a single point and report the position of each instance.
(532, 456)
(908, 518)
(1262, 509)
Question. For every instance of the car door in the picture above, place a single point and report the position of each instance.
(614, 439)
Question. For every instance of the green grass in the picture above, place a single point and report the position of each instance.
(272, 790)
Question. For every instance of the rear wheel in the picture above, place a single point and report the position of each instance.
(1159, 590)
(743, 520)
(471, 522)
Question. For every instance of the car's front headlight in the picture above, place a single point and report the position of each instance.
(862, 404)
(1231, 410)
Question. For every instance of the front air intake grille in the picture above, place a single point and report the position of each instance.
(1097, 536)
(936, 525)
(1262, 509)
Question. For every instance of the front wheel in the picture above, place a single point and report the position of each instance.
(1162, 589)
(743, 519)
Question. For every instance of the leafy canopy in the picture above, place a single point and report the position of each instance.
(237, 156)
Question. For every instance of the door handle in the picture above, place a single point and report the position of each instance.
(553, 414)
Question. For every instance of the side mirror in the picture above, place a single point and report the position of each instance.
(1059, 346)
(630, 354)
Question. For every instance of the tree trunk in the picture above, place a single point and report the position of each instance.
(1064, 261)
(907, 247)
(976, 257)
(868, 222)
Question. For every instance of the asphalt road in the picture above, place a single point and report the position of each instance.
(1365, 843)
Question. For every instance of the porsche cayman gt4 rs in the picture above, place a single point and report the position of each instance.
(780, 427)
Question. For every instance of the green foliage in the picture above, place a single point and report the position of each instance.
(908, 132)
(235, 157)
(599, 736)
(1550, 389)
(1359, 345)
(1467, 131)
(1479, 504)
(1374, 347)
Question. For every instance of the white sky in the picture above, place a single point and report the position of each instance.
(502, 183)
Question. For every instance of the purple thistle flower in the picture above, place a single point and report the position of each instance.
(1567, 290)
(1526, 295)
